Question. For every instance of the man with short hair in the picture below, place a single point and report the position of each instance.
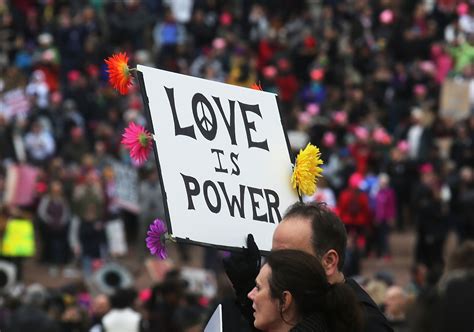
(315, 229)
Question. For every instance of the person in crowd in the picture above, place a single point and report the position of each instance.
(76, 146)
(376, 289)
(447, 306)
(354, 211)
(385, 214)
(166, 300)
(430, 222)
(292, 294)
(122, 317)
(418, 279)
(100, 307)
(314, 229)
(73, 319)
(39, 144)
(31, 315)
(324, 193)
(86, 234)
(396, 305)
(402, 177)
(54, 212)
(464, 205)
(367, 65)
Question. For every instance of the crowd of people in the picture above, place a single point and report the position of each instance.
(362, 80)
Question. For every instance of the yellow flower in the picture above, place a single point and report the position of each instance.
(307, 170)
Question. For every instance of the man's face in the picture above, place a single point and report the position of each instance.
(293, 233)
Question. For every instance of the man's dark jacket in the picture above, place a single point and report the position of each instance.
(374, 320)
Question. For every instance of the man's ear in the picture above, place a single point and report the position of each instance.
(286, 301)
(330, 260)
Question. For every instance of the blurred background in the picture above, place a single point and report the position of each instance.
(384, 88)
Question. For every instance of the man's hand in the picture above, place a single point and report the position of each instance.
(242, 269)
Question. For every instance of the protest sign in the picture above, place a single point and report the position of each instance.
(455, 102)
(116, 240)
(223, 157)
(20, 185)
(200, 281)
(14, 104)
(215, 322)
(126, 185)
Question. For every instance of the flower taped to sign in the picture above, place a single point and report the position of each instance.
(223, 158)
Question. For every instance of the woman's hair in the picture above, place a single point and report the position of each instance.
(303, 276)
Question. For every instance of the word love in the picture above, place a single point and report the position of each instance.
(206, 120)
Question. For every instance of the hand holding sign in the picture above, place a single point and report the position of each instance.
(242, 269)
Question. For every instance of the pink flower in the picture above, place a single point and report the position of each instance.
(138, 141)
(155, 241)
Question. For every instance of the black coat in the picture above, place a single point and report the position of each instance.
(374, 320)
(312, 323)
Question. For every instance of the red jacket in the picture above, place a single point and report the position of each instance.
(353, 207)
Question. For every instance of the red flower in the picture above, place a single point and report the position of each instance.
(256, 86)
(119, 73)
(138, 141)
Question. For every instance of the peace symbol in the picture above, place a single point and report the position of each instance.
(204, 116)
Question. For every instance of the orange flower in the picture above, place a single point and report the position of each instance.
(256, 86)
(119, 73)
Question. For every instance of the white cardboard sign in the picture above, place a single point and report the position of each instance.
(215, 322)
(223, 157)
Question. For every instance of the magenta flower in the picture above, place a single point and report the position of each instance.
(155, 241)
(138, 141)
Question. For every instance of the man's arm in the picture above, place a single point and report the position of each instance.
(242, 269)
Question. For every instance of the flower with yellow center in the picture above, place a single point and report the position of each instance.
(119, 72)
(307, 170)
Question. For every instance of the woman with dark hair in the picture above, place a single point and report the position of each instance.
(292, 294)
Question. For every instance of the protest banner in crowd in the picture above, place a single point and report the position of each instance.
(223, 158)
(454, 100)
(126, 184)
(20, 185)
